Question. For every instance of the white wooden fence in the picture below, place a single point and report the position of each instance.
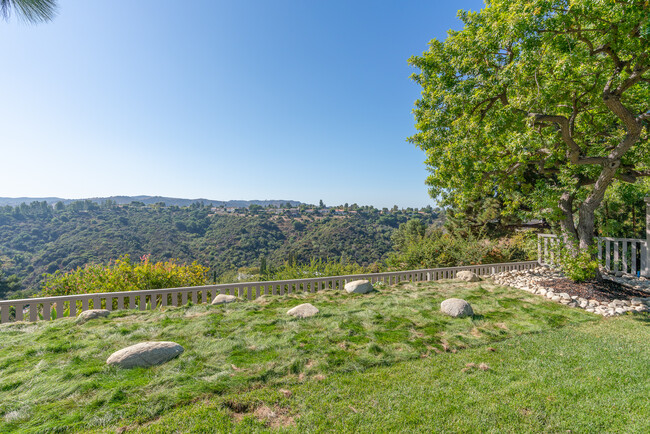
(629, 255)
(48, 308)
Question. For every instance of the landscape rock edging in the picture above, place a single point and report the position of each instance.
(528, 280)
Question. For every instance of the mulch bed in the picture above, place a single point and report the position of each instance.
(603, 290)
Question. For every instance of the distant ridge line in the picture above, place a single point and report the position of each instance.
(149, 200)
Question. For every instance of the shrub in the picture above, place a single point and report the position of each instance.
(437, 248)
(125, 275)
(317, 268)
(578, 265)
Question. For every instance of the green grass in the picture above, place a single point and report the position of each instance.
(381, 362)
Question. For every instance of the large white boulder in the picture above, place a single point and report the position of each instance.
(224, 298)
(304, 310)
(92, 314)
(456, 308)
(358, 287)
(468, 276)
(145, 354)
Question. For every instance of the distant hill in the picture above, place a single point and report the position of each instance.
(38, 238)
(148, 200)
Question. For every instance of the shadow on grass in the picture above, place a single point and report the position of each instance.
(642, 318)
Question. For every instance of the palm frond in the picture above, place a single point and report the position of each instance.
(30, 11)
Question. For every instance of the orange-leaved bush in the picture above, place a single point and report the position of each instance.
(125, 275)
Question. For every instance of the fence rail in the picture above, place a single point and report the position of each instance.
(49, 308)
(628, 255)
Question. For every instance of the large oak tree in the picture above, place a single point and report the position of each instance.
(542, 103)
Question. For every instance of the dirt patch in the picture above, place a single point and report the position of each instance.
(276, 417)
(273, 417)
(238, 407)
(601, 290)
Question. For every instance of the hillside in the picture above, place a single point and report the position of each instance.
(38, 238)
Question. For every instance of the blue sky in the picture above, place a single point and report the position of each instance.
(301, 100)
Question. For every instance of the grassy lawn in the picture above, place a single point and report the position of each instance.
(381, 362)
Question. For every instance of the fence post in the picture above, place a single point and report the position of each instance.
(646, 271)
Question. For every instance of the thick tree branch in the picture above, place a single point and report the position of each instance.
(574, 152)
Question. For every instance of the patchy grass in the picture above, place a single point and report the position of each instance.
(377, 362)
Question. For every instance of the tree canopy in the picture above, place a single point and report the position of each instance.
(541, 103)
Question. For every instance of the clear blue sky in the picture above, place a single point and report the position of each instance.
(301, 100)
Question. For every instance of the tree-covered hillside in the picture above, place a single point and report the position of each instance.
(39, 238)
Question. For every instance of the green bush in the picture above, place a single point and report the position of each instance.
(578, 265)
(417, 248)
(125, 275)
(317, 268)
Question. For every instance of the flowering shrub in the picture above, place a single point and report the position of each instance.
(125, 275)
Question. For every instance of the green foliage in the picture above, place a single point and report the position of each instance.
(438, 248)
(578, 265)
(124, 275)
(8, 284)
(534, 101)
(623, 212)
(317, 268)
(37, 239)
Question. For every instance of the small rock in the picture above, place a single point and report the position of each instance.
(456, 307)
(304, 310)
(87, 315)
(358, 287)
(224, 298)
(286, 393)
(145, 354)
(467, 276)
(565, 296)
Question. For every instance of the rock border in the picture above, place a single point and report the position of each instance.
(527, 280)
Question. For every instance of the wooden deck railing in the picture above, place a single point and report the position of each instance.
(48, 308)
(628, 255)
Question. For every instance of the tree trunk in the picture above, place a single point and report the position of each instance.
(567, 225)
